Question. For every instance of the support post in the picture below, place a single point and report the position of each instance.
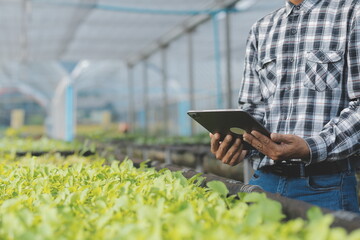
(191, 74)
(131, 110)
(146, 97)
(217, 54)
(69, 112)
(165, 90)
(228, 60)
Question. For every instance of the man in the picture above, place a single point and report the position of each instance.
(302, 81)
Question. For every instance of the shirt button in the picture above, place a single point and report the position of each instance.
(293, 31)
(291, 60)
(297, 7)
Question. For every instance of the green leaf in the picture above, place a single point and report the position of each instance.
(115, 165)
(183, 180)
(266, 209)
(218, 187)
(355, 235)
(314, 213)
(197, 179)
(143, 165)
(253, 197)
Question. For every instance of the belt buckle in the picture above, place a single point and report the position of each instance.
(278, 169)
(296, 168)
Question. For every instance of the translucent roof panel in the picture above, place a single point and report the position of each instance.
(73, 30)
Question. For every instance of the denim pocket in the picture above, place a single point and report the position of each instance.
(267, 74)
(323, 69)
(325, 182)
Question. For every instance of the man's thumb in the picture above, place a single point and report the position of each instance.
(278, 138)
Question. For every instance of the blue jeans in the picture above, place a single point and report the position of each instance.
(335, 191)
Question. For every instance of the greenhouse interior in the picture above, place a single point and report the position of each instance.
(96, 139)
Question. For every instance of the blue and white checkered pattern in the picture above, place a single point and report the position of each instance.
(302, 76)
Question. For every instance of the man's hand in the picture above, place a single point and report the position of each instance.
(279, 147)
(229, 151)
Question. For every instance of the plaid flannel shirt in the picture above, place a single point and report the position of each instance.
(302, 76)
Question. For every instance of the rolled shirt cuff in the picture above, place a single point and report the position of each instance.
(318, 149)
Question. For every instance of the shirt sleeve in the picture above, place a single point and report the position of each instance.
(250, 98)
(353, 59)
(340, 138)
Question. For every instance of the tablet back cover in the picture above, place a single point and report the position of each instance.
(234, 122)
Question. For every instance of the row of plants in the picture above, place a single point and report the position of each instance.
(51, 197)
(104, 135)
(43, 144)
(27, 131)
(139, 138)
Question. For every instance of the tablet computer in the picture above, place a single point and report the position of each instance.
(228, 121)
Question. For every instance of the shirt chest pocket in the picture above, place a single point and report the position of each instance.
(267, 76)
(323, 69)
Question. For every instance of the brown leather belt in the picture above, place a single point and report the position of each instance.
(298, 169)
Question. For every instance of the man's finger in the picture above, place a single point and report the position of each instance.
(269, 146)
(233, 150)
(238, 157)
(281, 138)
(223, 148)
(214, 144)
(253, 141)
(235, 159)
(262, 143)
(262, 138)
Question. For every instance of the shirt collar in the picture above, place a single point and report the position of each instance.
(304, 6)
